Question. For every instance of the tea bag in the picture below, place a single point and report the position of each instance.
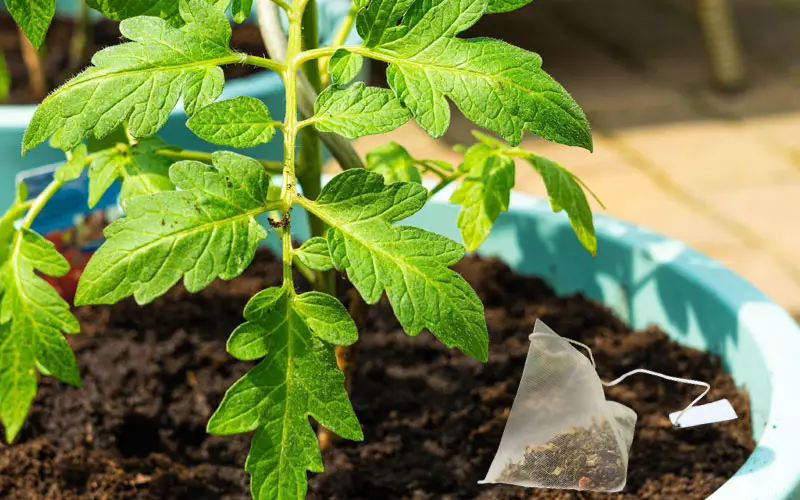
(563, 433)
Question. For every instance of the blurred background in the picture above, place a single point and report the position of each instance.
(695, 106)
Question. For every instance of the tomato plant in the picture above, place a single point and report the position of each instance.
(193, 217)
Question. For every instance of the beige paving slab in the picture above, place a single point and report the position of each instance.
(711, 155)
(770, 210)
(782, 131)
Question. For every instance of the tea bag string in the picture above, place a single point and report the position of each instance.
(655, 374)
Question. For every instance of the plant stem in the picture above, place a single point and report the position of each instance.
(80, 38)
(263, 62)
(430, 167)
(338, 40)
(310, 171)
(33, 63)
(272, 34)
(283, 4)
(289, 189)
(317, 53)
(15, 212)
(444, 182)
(40, 201)
(272, 167)
(311, 41)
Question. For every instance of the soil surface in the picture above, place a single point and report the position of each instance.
(56, 53)
(432, 417)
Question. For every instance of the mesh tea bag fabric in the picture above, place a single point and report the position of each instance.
(562, 433)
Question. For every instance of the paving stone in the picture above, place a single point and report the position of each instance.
(770, 210)
(782, 130)
(710, 155)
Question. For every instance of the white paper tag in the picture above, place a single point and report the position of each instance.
(718, 411)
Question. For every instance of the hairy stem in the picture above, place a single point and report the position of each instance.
(272, 33)
(289, 190)
(33, 63)
(263, 62)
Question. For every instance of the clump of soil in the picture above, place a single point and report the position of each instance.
(578, 458)
(56, 56)
(432, 417)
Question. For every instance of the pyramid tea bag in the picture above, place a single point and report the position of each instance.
(562, 433)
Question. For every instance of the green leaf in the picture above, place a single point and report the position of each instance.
(378, 20)
(249, 342)
(242, 122)
(393, 162)
(314, 253)
(125, 9)
(358, 110)
(241, 10)
(140, 168)
(496, 85)
(32, 318)
(34, 17)
(484, 193)
(202, 88)
(497, 6)
(298, 378)
(73, 168)
(203, 231)
(344, 66)
(140, 81)
(411, 265)
(565, 193)
(326, 318)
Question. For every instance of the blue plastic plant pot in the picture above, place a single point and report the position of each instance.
(647, 279)
(266, 86)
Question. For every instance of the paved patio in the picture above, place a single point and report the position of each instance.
(720, 171)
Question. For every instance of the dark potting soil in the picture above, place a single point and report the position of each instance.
(432, 417)
(56, 53)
